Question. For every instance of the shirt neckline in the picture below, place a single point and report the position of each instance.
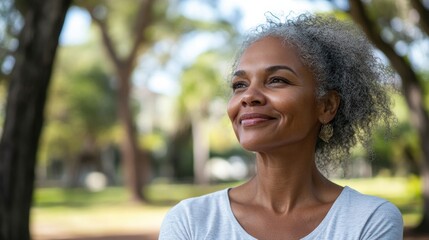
(313, 233)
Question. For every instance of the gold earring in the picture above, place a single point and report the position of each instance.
(326, 132)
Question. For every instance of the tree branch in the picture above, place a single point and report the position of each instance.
(410, 83)
(424, 14)
(145, 18)
(107, 40)
(402, 66)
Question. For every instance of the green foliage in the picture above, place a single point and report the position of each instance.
(154, 142)
(92, 100)
(388, 9)
(81, 103)
(393, 16)
(398, 23)
(396, 148)
(118, 17)
(202, 101)
(180, 152)
(222, 137)
(201, 82)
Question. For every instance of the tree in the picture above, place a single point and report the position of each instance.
(135, 163)
(80, 115)
(28, 85)
(151, 22)
(412, 86)
(196, 98)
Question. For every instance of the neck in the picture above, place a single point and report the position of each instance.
(283, 184)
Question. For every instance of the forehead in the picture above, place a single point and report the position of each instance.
(270, 51)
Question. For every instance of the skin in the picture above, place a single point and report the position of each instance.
(275, 113)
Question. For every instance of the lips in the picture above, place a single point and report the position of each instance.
(252, 119)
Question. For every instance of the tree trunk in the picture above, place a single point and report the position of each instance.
(24, 113)
(412, 89)
(136, 165)
(201, 149)
(132, 157)
(419, 120)
(179, 146)
(422, 115)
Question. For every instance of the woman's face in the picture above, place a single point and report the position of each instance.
(274, 98)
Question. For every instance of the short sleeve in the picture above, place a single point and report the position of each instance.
(384, 223)
(174, 225)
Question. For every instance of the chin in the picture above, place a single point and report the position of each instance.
(251, 147)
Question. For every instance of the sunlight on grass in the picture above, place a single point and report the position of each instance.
(383, 187)
(78, 197)
(173, 193)
(96, 220)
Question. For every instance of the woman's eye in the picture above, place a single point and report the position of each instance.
(238, 85)
(276, 80)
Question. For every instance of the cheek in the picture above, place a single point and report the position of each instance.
(232, 109)
(286, 104)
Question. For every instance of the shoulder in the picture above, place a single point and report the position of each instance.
(358, 216)
(367, 204)
(385, 222)
(350, 195)
(190, 215)
(200, 205)
(376, 217)
(362, 204)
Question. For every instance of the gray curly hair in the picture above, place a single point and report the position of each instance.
(343, 60)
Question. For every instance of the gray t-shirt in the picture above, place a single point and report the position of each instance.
(352, 216)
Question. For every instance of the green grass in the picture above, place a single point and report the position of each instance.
(60, 213)
(169, 194)
(53, 197)
(78, 211)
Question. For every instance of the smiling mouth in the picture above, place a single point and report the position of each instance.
(253, 119)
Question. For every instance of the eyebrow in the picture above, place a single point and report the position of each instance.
(275, 68)
(239, 73)
(271, 69)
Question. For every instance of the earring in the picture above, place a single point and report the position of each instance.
(326, 132)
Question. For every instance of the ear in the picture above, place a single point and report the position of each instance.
(328, 106)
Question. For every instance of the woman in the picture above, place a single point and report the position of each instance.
(304, 92)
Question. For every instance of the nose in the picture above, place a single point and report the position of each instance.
(253, 97)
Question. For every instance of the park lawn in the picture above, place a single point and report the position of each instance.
(78, 212)
(70, 213)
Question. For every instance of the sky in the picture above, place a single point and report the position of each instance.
(77, 24)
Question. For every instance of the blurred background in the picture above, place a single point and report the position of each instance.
(129, 116)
